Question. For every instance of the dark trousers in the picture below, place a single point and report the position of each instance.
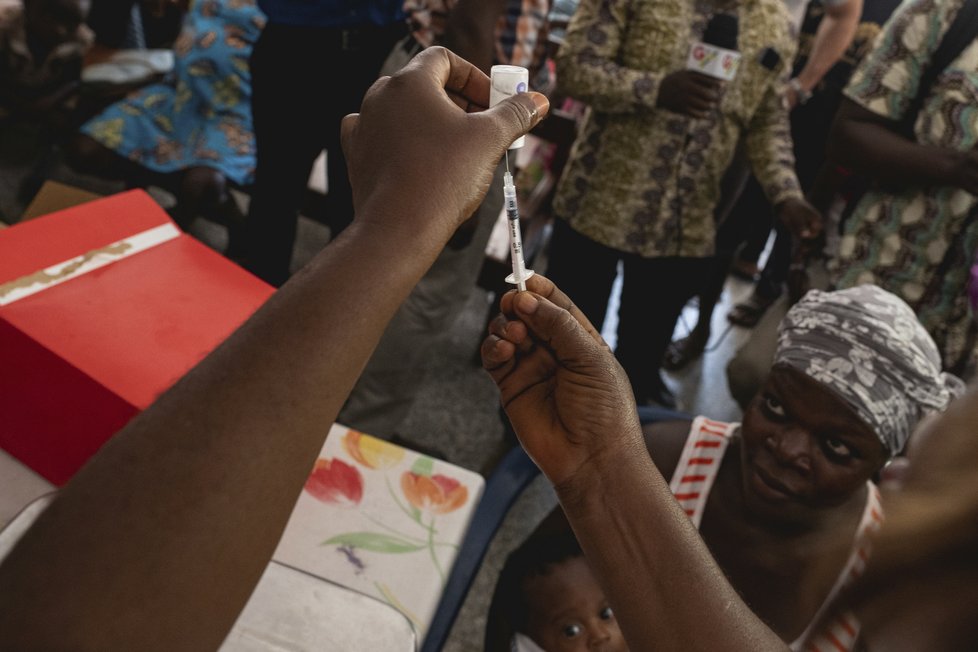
(654, 292)
(810, 125)
(304, 81)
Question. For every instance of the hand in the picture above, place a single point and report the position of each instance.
(567, 397)
(691, 93)
(427, 127)
(790, 98)
(801, 218)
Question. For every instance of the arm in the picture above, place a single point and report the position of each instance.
(588, 68)
(871, 144)
(572, 407)
(835, 33)
(866, 135)
(772, 158)
(157, 543)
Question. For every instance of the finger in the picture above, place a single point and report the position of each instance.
(549, 290)
(348, 127)
(498, 357)
(453, 73)
(507, 329)
(560, 331)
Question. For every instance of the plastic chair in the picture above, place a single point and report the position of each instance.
(507, 482)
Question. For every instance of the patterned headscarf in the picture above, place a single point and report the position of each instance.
(867, 346)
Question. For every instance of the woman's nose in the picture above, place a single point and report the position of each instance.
(792, 446)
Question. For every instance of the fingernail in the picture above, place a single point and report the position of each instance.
(540, 103)
(527, 303)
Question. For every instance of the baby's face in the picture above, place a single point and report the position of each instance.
(569, 613)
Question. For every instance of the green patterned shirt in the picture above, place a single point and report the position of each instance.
(918, 243)
(646, 180)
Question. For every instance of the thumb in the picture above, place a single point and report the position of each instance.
(516, 115)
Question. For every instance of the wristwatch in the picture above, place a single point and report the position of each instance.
(803, 95)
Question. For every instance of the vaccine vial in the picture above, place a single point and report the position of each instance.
(504, 82)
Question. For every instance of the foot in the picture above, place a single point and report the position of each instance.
(685, 350)
(745, 270)
(748, 313)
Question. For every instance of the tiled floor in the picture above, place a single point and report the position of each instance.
(457, 410)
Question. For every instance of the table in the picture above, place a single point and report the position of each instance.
(289, 610)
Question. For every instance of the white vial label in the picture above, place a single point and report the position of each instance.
(507, 81)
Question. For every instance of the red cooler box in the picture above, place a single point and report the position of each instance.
(103, 307)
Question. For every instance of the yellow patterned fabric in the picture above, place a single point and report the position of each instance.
(919, 242)
(645, 180)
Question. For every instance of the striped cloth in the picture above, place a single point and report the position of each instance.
(829, 630)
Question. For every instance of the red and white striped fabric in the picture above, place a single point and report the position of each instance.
(698, 465)
(830, 630)
(692, 480)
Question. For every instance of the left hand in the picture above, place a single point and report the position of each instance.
(801, 218)
(567, 397)
(427, 127)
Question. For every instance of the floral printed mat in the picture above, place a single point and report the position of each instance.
(383, 520)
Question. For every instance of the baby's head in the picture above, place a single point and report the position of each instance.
(53, 22)
(551, 596)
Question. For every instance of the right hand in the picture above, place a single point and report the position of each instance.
(690, 93)
(568, 399)
(427, 127)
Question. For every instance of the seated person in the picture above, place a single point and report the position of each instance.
(191, 135)
(42, 43)
(853, 374)
(547, 599)
(564, 393)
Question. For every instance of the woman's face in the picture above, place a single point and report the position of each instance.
(804, 449)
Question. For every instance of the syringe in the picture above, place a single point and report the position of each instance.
(520, 272)
(507, 81)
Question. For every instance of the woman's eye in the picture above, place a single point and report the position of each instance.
(606, 614)
(838, 448)
(773, 406)
(570, 631)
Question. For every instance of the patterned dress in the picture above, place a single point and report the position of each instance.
(645, 180)
(202, 117)
(919, 243)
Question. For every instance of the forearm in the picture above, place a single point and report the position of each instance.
(833, 37)
(238, 436)
(470, 31)
(877, 151)
(665, 587)
(771, 150)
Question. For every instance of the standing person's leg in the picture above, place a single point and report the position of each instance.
(290, 131)
(771, 283)
(653, 296)
(357, 62)
(583, 269)
(756, 211)
(387, 388)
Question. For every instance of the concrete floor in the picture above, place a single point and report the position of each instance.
(457, 407)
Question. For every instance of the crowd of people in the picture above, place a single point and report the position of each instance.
(849, 118)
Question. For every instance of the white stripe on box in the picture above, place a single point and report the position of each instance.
(26, 286)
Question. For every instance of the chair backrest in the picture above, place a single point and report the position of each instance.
(503, 487)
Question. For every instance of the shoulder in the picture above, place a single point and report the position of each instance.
(665, 441)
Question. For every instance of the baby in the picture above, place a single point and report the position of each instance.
(42, 43)
(548, 600)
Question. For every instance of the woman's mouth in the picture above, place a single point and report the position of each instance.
(767, 487)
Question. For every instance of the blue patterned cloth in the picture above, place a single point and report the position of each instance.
(202, 117)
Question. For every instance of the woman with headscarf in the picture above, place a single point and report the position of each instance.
(853, 374)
